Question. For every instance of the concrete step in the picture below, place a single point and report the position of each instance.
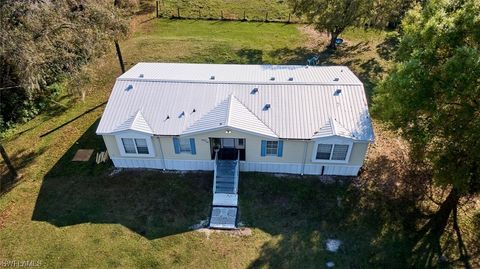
(223, 217)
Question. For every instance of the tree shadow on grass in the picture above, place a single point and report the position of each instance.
(374, 217)
(19, 160)
(151, 203)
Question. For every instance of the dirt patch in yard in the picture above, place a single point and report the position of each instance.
(316, 39)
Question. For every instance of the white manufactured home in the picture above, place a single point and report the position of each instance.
(274, 118)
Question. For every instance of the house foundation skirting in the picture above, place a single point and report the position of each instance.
(245, 166)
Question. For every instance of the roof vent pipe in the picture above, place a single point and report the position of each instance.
(336, 79)
(290, 79)
(266, 107)
(272, 78)
(182, 114)
(337, 92)
(129, 87)
(254, 91)
(212, 77)
(141, 75)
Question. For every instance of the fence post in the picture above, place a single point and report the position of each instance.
(178, 12)
(244, 16)
(157, 7)
(221, 14)
(289, 15)
(266, 16)
(199, 14)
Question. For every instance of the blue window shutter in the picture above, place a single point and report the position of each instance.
(176, 145)
(280, 149)
(263, 151)
(192, 146)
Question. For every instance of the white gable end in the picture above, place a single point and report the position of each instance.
(135, 123)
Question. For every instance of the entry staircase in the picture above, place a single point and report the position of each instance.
(225, 193)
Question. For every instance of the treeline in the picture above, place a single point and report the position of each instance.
(44, 41)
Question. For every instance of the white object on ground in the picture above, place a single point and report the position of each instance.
(333, 245)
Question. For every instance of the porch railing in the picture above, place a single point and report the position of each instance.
(215, 172)
(237, 172)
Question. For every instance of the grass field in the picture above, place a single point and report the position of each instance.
(78, 215)
(278, 10)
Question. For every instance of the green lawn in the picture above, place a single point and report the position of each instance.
(78, 215)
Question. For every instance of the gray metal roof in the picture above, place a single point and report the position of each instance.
(180, 99)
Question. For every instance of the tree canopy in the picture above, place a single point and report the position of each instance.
(42, 41)
(334, 16)
(432, 97)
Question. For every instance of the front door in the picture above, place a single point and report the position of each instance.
(228, 148)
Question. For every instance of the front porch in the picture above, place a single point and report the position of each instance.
(227, 148)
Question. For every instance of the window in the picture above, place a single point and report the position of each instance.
(142, 147)
(184, 145)
(128, 145)
(272, 147)
(135, 146)
(340, 152)
(323, 151)
(332, 152)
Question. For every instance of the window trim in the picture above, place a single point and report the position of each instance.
(266, 148)
(130, 135)
(332, 141)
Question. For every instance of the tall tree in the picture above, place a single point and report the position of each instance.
(44, 41)
(334, 16)
(432, 97)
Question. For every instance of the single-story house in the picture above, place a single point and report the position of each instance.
(273, 118)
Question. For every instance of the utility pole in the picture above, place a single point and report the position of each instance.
(119, 54)
(117, 4)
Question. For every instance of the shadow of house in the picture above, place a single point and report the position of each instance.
(151, 203)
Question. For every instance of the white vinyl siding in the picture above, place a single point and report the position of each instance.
(272, 148)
